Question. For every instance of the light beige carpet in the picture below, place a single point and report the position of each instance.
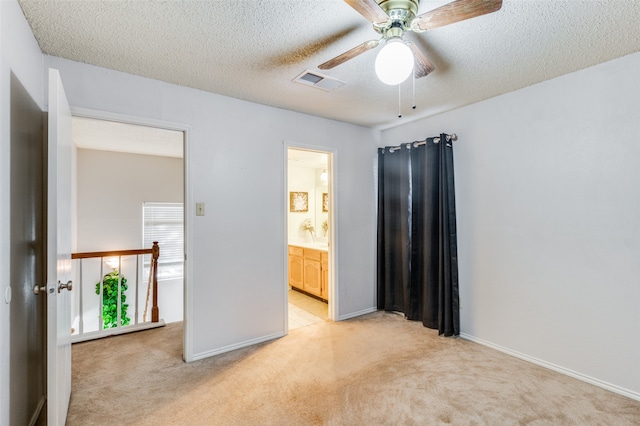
(374, 370)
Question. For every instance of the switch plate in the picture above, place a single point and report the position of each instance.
(199, 209)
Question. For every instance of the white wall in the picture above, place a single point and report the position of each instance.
(235, 162)
(111, 188)
(548, 214)
(20, 54)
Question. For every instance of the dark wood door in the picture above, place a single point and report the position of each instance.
(27, 257)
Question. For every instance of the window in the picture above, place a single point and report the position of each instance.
(164, 223)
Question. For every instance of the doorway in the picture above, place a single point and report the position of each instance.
(134, 166)
(309, 237)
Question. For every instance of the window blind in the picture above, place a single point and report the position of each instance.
(164, 223)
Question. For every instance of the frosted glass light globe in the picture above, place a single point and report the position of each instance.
(394, 62)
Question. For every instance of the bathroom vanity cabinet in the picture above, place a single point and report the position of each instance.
(309, 270)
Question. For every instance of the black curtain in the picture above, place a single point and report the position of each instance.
(417, 249)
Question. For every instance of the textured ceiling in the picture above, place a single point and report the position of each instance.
(252, 50)
(310, 159)
(105, 135)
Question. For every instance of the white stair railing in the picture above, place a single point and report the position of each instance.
(116, 260)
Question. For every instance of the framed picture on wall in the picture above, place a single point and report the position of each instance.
(325, 202)
(298, 201)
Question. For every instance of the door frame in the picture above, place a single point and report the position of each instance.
(333, 285)
(187, 350)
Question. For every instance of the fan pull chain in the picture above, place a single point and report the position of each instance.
(399, 102)
(414, 91)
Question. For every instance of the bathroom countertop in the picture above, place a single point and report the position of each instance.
(314, 246)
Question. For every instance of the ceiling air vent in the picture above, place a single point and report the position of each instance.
(318, 80)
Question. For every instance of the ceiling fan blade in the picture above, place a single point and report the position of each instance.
(456, 11)
(423, 66)
(349, 54)
(370, 10)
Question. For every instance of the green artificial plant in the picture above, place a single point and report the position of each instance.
(110, 300)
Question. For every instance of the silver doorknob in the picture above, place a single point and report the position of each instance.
(37, 289)
(68, 286)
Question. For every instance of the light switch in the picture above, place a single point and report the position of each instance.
(199, 209)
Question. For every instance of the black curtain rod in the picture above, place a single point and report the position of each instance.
(451, 137)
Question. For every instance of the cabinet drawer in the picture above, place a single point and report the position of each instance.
(296, 251)
(325, 256)
(312, 254)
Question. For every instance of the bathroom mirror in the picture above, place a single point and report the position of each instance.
(308, 171)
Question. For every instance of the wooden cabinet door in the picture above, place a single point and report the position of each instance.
(312, 277)
(296, 272)
(324, 285)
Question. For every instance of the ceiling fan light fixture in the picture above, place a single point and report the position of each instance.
(394, 62)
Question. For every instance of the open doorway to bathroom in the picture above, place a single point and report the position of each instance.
(308, 236)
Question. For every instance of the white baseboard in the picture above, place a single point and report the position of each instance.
(207, 354)
(608, 386)
(357, 314)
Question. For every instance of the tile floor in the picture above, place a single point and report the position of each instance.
(305, 310)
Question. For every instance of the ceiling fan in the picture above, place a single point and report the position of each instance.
(392, 18)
